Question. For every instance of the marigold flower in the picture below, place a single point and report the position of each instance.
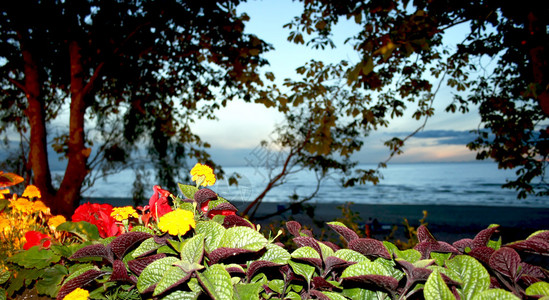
(78, 294)
(23, 205)
(177, 222)
(55, 221)
(203, 175)
(40, 206)
(31, 191)
(4, 224)
(123, 213)
(2, 192)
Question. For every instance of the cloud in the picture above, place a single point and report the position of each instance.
(443, 137)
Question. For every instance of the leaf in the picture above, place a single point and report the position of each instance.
(9, 179)
(181, 295)
(86, 231)
(369, 247)
(360, 294)
(440, 258)
(51, 280)
(305, 252)
(365, 268)
(257, 265)
(35, 258)
(350, 255)
(346, 233)
(506, 261)
(334, 296)
(4, 275)
(217, 283)
(436, 288)
(153, 273)
(147, 246)
(248, 291)
(213, 233)
(138, 265)
(188, 190)
(79, 281)
(276, 254)
(495, 294)
(122, 243)
(303, 269)
(193, 250)
(174, 276)
(472, 275)
(540, 288)
(243, 238)
(95, 250)
(423, 235)
(294, 228)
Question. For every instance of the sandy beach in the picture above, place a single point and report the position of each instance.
(446, 222)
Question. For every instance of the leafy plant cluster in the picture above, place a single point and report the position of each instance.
(226, 257)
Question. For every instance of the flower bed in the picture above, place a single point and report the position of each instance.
(196, 246)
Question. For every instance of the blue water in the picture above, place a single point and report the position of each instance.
(471, 183)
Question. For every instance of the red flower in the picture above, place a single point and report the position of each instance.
(158, 203)
(213, 213)
(98, 215)
(35, 238)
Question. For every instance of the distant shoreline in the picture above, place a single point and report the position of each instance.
(446, 222)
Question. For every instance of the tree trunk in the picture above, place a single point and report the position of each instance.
(68, 195)
(35, 112)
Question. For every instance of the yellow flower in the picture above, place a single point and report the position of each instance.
(31, 191)
(203, 175)
(55, 221)
(2, 192)
(177, 222)
(123, 213)
(40, 206)
(23, 205)
(4, 224)
(78, 294)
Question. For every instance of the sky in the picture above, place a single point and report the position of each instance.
(241, 126)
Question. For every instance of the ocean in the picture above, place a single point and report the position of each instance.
(463, 183)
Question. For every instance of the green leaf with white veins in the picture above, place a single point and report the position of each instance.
(350, 255)
(243, 238)
(495, 294)
(365, 268)
(276, 254)
(146, 246)
(540, 288)
(216, 281)
(188, 190)
(436, 288)
(174, 275)
(305, 270)
(213, 233)
(473, 275)
(154, 272)
(305, 252)
(193, 250)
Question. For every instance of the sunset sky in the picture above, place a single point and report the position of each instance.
(241, 126)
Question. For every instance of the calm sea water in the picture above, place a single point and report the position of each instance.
(471, 183)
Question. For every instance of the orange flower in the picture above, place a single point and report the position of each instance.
(55, 221)
(31, 191)
(23, 205)
(2, 192)
(40, 206)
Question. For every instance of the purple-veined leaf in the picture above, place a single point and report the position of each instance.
(224, 253)
(119, 272)
(258, 265)
(382, 282)
(79, 281)
(424, 235)
(204, 195)
(331, 245)
(294, 228)
(319, 295)
(531, 245)
(369, 247)
(425, 248)
(234, 220)
(332, 262)
(482, 238)
(122, 243)
(482, 254)
(138, 265)
(463, 244)
(95, 250)
(348, 234)
(320, 283)
(506, 261)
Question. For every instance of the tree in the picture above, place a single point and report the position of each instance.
(140, 71)
(403, 60)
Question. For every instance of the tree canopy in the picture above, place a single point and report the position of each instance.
(133, 76)
(404, 61)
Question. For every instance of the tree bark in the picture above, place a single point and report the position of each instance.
(68, 195)
(35, 112)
